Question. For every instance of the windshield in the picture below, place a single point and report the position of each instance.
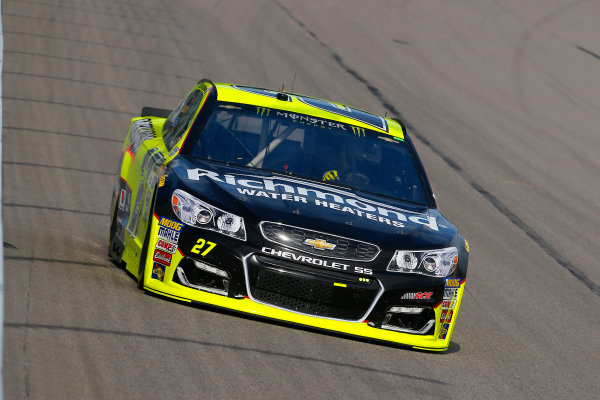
(311, 147)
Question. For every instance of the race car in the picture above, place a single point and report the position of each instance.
(288, 207)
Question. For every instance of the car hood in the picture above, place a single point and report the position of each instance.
(260, 195)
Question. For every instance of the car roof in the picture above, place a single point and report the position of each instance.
(307, 105)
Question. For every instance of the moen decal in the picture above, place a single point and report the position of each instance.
(444, 331)
(446, 316)
(168, 234)
(316, 261)
(452, 282)
(162, 257)
(158, 271)
(164, 245)
(168, 223)
(302, 192)
(417, 296)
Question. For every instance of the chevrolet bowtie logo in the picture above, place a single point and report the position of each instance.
(319, 244)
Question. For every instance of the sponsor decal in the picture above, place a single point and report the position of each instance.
(446, 316)
(450, 293)
(319, 244)
(417, 296)
(360, 132)
(169, 223)
(162, 257)
(308, 120)
(444, 331)
(161, 181)
(289, 189)
(262, 111)
(448, 304)
(158, 271)
(316, 261)
(452, 282)
(467, 246)
(168, 234)
(166, 246)
(330, 176)
(123, 200)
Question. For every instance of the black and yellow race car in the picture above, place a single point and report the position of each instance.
(291, 208)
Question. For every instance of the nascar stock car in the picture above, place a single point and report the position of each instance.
(291, 208)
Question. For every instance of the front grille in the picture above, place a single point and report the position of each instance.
(311, 291)
(295, 238)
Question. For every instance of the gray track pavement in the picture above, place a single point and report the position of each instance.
(501, 97)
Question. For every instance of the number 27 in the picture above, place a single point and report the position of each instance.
(200, 244)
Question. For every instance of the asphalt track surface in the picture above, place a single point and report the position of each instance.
(501, 97)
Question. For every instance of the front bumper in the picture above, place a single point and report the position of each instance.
(167, 282)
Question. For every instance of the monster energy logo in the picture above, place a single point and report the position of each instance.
(262, 111)
(306, 119)
(360, 132)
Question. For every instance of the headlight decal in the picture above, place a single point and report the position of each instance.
(440, 262)
(199, 214)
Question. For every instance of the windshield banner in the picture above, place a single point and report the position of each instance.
(289, 189)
